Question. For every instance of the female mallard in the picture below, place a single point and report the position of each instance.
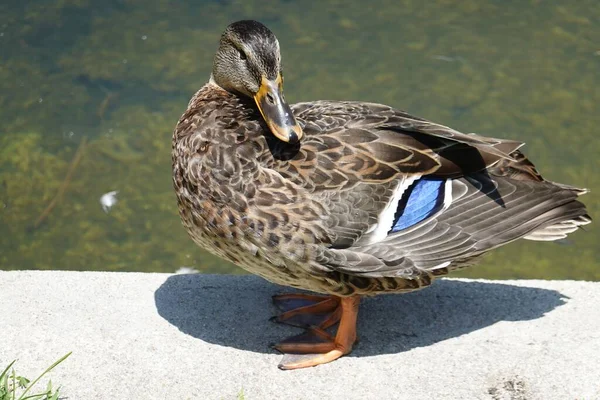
(344, 198)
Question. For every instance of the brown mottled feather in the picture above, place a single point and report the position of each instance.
(296, 214)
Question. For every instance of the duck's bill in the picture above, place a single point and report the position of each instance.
(276, 111)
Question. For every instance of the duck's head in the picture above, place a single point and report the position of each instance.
(248, 63)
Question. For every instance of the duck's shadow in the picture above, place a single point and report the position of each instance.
(234, 312)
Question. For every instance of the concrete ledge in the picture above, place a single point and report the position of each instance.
(161, 336)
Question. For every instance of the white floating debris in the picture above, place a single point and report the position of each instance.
(108, 200)
(186, 270)
(442, 57)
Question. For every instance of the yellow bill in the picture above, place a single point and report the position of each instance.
(276, 111)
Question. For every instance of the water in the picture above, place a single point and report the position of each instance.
(116, 75)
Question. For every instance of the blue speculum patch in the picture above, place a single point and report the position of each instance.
(421, 200)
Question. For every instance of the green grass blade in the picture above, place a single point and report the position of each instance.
(3, 374)
(4, 388)
(63, 358)
(35, 396)
(55, 396)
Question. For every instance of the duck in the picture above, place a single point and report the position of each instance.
(344, 199)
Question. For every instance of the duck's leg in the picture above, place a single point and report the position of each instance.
(304, 310)
(330, 348)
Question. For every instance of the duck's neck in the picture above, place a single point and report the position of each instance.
(211, 81)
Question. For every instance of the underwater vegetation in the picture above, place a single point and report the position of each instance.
(90, 93)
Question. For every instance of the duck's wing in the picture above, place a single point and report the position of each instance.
(465, 226)
(395, 137)
(405, 195)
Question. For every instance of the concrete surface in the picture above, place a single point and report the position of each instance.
(160, 336)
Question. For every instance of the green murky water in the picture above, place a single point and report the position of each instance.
(115, 75)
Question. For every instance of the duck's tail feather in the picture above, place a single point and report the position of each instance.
(561, 229)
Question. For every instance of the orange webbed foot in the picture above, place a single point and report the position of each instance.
(316, 346)
(305, 310)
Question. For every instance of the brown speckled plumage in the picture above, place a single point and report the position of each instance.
(307, 214)
(298, 215)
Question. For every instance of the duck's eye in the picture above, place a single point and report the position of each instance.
(242, 55)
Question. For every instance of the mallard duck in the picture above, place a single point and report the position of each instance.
(344, 198)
